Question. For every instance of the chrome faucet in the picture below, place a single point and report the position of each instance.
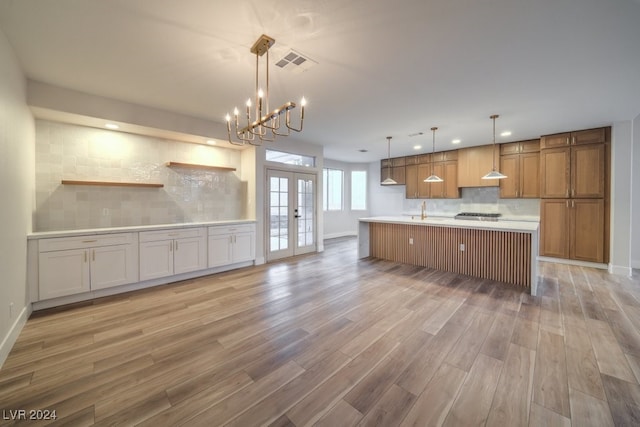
(423, 213)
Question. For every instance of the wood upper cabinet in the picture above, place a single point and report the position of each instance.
(555, 172)
(448, 189)
(588, 136)
(523, 176)
(587, 171)
(474, 163)
(574, 171)
(520, 162)
(411, 181)
(397, 171)
(573, 228)
(424, 188)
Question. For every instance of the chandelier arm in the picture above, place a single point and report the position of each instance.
(288, 122)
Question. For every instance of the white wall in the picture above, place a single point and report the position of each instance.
(344, 222)
(635, 194)
(621, 170)
(16, 192)
(66, 151)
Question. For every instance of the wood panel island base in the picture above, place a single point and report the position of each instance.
(503, 251)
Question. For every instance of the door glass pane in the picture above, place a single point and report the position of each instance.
(306, 212)
(278, 209)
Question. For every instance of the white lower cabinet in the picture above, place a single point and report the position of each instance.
(231, 244)
(71, 265)
(169, 252)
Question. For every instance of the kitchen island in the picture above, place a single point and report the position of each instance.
(504, 251)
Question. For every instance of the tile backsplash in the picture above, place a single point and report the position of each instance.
(481, 199)
(81, 153)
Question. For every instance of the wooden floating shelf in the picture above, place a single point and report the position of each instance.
(204, 167)
(112, 184)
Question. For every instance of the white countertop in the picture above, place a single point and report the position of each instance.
(135, 228)
(500, 225)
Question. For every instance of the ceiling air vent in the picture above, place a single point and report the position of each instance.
(295, 61)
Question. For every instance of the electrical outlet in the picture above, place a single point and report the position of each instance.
(462, 247)
(411, 240)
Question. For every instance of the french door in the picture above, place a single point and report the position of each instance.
(291, 213)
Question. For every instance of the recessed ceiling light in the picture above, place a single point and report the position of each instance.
(456, 141)
(506, 133)
(417, 147)
(211, 142)
(112, 126)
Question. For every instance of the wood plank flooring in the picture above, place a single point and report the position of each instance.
(329, 340)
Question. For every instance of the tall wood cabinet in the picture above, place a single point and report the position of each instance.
(574, 187)
(520, 162)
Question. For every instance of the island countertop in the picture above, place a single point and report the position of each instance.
(500, 225)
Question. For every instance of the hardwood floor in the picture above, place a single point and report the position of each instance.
(328, 340)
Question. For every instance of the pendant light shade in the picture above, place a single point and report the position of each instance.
(389, 180)
(433, 177)
(494, 173)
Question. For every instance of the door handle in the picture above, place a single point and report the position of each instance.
(176, 242)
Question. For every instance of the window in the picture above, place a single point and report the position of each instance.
(358, 190)
(290, 159)
(332, 189)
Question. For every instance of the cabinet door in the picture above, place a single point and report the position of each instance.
(424, 188)
(112, 266)
(411, 175)
(510, 186)
(555, 167)
(437, 188)
(156, 259)
(530, 146)
(529, 172)
(385, 172)
(398, 174)
(244, 247)
(587, 229)
(587, 171)
(509, 148)
(589, 136)
(451, 190)
(63, 273)
(555, 141)
(189, 254)
(554, 228)
(220, 250)
(476, 162)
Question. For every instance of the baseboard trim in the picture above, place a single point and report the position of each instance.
(14, 332)
(574, 262)
(620, 270)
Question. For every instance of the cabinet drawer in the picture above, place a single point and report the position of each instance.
(218, 230)
(89, 241)
(153, 236)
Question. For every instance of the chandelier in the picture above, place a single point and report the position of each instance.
(263, 124)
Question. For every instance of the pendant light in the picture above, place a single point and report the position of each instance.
(433, 177)
(494, 174)
(389, 180)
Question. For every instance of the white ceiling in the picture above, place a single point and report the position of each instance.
(383, 67)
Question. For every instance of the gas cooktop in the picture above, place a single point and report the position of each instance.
(477, 216)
